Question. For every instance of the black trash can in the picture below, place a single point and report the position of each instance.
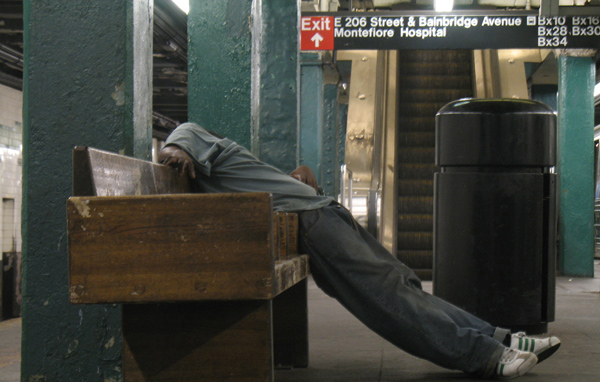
(495, 211)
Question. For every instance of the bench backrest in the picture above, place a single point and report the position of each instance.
(101, 173)
(137, 233)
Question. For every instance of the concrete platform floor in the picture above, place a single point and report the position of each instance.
(342, 349)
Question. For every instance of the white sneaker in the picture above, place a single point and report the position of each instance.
(541, 347)
(514, 363)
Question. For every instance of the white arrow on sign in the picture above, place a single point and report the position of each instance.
(317, 38)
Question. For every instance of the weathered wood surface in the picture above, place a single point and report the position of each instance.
(290, 271)
(292, 234)
(101, 173)
(285, 234)
(171, 248)
(200, 342)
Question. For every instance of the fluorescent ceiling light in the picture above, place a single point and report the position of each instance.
(443, 5)
(597, 90)
(183, 4)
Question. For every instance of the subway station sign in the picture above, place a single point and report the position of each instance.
(427, 30)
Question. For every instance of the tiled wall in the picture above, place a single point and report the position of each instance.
(11, 148)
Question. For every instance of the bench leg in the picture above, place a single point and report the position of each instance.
(198, 341)
(290, 327)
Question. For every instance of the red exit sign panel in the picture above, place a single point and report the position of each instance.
(316, 33)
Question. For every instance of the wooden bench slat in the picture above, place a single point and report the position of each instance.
(170, 248)
(102, 173)
(291, 271)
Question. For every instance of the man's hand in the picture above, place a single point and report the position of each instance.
(175, 157)
(306, 176)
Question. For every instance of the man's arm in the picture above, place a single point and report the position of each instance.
(175, 157)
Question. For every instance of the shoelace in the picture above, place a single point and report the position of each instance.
(508, 356)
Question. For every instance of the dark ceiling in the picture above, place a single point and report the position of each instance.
(169, 61)
(11, 43)
(169, 68)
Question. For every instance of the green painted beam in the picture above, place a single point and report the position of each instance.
(85, 83)
(275, 62)
(219, 67)
(576, 165)
(322, 121)
(341, 144)
(311, 113)
(243, 76)
(330, 173)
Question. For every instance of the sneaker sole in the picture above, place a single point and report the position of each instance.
(547, 353)
(522, 370)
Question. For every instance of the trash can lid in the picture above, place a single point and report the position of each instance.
(495, 132)
(496, 106)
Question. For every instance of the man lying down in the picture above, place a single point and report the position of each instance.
(353, 267)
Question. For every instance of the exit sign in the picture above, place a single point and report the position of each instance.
(316, 33)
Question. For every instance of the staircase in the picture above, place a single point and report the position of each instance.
(427, 80)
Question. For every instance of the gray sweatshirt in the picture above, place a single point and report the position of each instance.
(224, 166)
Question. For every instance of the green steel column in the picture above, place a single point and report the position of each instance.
(219, 65)
(330, 167)
(86, 82)
(322, 121)
(275, 63)
(576, 164)
(243, 72)
(311, 113)
(341, 144)
(344, 68)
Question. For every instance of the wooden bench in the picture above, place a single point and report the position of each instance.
(212, 288)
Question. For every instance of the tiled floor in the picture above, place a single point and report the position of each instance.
(10, 350)
(342, 349)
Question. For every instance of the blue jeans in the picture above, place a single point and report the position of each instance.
(353, 267)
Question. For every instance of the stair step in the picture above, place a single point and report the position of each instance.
(434, 68)
(410, 123)
(416, 138)
(440, 82)
(415, 204)
(434, 55)
(415, 187)
(420, 109)
(432, 95)
(416, 259)
(416, 155)
(416, 170)
(415, 222)
(415, 241)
